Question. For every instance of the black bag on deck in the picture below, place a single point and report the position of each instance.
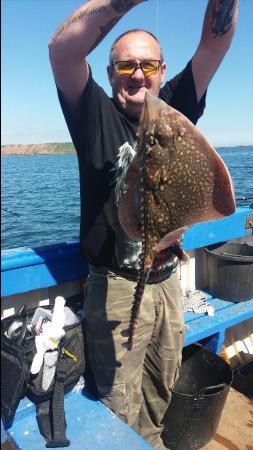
(17, 352)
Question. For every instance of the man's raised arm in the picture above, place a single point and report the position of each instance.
(81, 32)
(218, 30)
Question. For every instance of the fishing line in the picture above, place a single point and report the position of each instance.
(157, 37)
(157, 20)
(244, 198)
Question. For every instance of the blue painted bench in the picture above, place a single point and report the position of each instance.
(210, 330)
(91, 425)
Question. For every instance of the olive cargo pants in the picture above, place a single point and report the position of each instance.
(135, 384)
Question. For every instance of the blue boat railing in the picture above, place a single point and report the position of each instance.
(24, 269)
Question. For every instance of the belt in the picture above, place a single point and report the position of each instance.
(131, 275)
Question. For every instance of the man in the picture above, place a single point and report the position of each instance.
(135, 384)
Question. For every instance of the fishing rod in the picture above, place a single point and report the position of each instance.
(11, 212)
(244, 198)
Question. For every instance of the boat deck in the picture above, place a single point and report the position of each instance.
(235, 430)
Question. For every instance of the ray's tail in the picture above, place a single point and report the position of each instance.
(145, 259)
(139, 290)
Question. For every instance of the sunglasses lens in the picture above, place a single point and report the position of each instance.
(150, 67)
(125, 67)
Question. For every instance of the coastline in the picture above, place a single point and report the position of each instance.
(61, 148)
(52, 148)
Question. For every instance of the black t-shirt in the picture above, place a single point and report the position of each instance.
(99, 135)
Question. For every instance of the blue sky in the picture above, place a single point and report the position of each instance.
(30, 109)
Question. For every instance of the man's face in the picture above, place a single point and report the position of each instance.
(129, 90)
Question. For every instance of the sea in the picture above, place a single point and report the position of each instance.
(40, 195)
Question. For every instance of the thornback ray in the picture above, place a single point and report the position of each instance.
(176, 179)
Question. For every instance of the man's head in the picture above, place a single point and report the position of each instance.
(128, 89)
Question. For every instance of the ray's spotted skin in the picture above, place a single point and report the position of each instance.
(176, 179)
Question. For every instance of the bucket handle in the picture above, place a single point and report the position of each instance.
(210, 389)
(235, 257)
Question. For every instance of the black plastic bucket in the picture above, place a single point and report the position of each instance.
(230, 271)
(198, 398)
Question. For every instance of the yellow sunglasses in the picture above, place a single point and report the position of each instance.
(148, 67)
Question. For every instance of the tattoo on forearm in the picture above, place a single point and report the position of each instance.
(103, 32)
(121, 6)
(221, 16)
(86, 12)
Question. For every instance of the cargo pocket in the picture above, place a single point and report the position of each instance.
(179, 363)
(115, 398)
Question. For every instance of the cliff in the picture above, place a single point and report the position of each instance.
(58, 148)
(51, 148)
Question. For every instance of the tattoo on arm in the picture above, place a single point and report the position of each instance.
(221, 16)
(121, 6)
(103, 32)
(86, 12)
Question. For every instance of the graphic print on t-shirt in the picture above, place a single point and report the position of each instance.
(126, 154)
